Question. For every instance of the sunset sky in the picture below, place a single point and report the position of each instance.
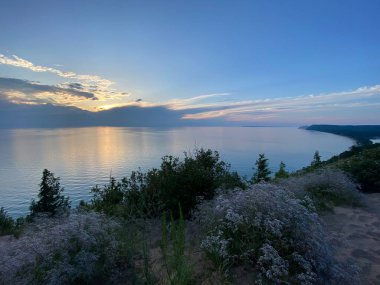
(226, 62)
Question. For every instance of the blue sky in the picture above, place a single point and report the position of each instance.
(244, 62)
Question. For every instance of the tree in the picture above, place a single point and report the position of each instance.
(281, 173)
(6, 223)
(50, 198)
(262, 171)
(316, 159)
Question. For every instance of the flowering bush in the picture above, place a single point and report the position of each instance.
(270, 231)
(327, 187)
(78, 249)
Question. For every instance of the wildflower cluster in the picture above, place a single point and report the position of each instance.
(326, 187)
(77, 249)
(269, 230)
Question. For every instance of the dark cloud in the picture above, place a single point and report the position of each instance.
(52, 116)
(138, 100)
(28, 87)
(75, 85)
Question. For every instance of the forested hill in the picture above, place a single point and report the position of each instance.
(361, 133)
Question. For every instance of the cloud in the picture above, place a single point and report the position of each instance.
(280, 107)
(50, 115)
(16, 61)
(24, 91)
(97, 85)
(193, 102)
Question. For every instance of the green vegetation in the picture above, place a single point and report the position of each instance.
(262, 172)
(272, 234)
(361, 134)
(50, 199)
(363, 166)
(6, 223)
(325, 187)
(362, 163)
(316, 159)
(218, 225)
(177, 267)
(281, 173)
(162, 190)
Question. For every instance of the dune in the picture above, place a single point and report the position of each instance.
(355, 234)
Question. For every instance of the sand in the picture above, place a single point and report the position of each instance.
(355, 233)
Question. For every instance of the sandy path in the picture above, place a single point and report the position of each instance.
(355, 232)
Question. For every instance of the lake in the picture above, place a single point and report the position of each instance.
(84, 157)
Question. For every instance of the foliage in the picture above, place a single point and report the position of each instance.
(50, 199)
(327, 187)
(175, 182)
(105, 199)
(362, 163)
(83, 248)
(364, 167)
(262, 172)
(281, 173)
(271, 233)
(148, 275)
(173, 252)
(316, 159)
(7, 224)
(361, 134)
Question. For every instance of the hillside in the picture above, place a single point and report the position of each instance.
(362, 134)
(361, 162)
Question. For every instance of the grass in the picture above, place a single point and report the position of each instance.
(176, 263)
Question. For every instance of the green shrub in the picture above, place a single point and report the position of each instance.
(364, 167)
(175, 182)
(7, 224)
(327, 187)
(108, 198)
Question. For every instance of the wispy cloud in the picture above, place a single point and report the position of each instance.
(94, 84)
(262, 109)
(196, 102)
(14, 60)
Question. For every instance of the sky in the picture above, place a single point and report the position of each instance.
(267, 62)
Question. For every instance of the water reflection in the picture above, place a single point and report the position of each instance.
(84, 157)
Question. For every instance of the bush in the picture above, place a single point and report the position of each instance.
(364, 168)
(50, 199)
(175, 182)
(107, 198)
(79, 249)
(327, 187)
(7, 224)
(273, 234)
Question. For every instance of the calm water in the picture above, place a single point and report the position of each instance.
(84, 157)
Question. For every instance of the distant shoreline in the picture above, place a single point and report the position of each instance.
(362, 134)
